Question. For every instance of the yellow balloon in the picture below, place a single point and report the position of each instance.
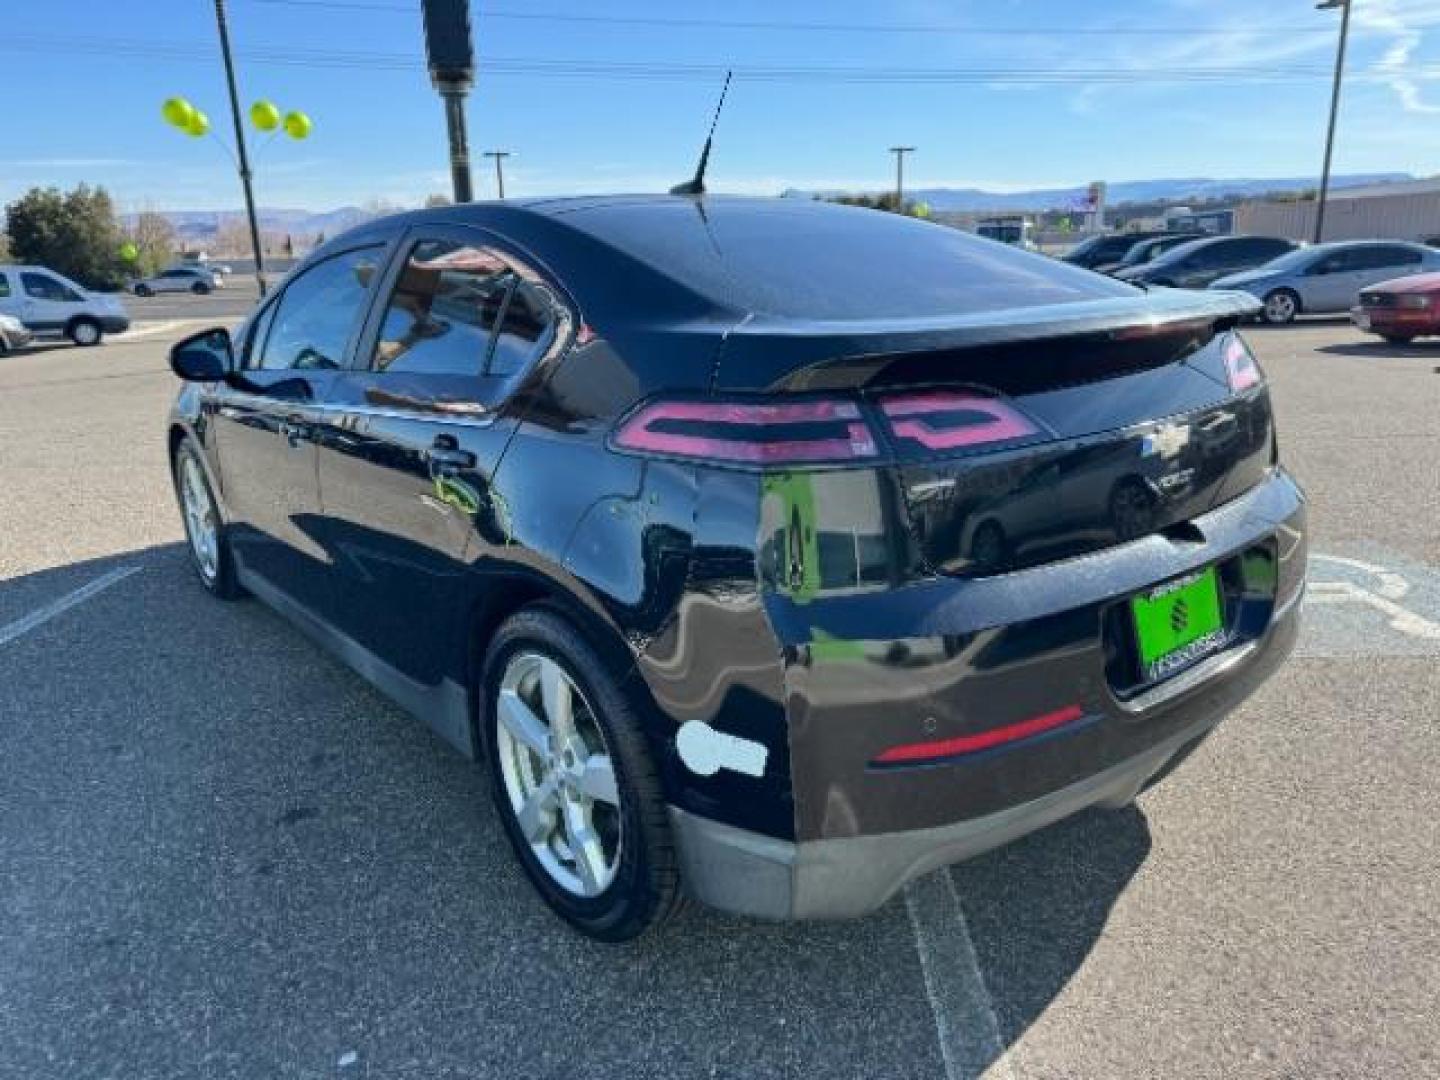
(921, 210)
(198, 126)
(129, 252)
(297, 125)
(177, 112)
(264, 115)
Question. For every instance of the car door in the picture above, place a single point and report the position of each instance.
(47, 302)
(1382, 262)
(1333, 281)
(413, 435)
(264, 432)
(1200, 267)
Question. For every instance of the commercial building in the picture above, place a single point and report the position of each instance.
(1403, 211)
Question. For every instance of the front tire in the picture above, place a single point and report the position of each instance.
(84, 332)
(573, 781)
(199, 288)
(144, 290)
(1398, 339)
(1281, 307)
(205, 529)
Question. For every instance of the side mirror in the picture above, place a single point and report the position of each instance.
(205, 357)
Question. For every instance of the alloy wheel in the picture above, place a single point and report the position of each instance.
(559, 775)
(201, 524)
(1279, 307)
(86, 333)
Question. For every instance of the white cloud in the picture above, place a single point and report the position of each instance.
(1396, 66)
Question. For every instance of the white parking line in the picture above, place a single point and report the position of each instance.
(964, 1012)
(11, 631)
(141, 330)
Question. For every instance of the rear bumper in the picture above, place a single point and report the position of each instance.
(114, 324)
(745, 872)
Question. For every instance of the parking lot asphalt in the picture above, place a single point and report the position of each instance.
(223, 855)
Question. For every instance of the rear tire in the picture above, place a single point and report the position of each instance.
(205, 530)
(84, 332)
(1281, 307)
(1398, 339)
(632, 882)
(144, 290)
(199, 288)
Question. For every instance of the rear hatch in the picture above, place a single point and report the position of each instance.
(1026, 437)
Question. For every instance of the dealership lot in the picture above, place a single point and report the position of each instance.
(222, 855)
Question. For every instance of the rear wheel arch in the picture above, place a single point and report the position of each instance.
(507, 593)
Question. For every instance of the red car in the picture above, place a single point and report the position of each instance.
(1401, 309)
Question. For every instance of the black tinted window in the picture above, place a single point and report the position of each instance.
(45, 287)
(1375, 258)
(443, 310)
(793, 257)
(318, 311)
(526, 331)
(4, 285)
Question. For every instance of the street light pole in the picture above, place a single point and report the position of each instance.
(451, 58)
(499, 156)
(900, 152)
(244, 158)
(1329, 5)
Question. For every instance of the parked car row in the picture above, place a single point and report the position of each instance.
(1289, 279)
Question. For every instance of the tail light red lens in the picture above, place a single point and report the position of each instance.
(954, 419)
(1240, 366)
(789, 433)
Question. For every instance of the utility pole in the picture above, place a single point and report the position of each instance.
(1330, 5)
(244, 158)
(900, 152)
(452, 72)
(499, 156)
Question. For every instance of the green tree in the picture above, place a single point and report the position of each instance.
(154, 238)
(74, 233)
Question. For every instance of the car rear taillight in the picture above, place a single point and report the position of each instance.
(747, 433)
(954, 420)
(1240, 367)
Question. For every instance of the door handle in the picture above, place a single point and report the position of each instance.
(445, 458)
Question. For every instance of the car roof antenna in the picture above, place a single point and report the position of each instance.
(696, 185)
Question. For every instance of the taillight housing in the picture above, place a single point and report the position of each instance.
(954, 420)
(1241, 370)
(755, 434)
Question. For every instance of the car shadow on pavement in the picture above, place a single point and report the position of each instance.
(1375, 349)
(218, 829)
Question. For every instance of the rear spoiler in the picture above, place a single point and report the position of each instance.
(771, 354)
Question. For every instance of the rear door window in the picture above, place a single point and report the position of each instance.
(443, 311)
(1385, 255)
(527, 329)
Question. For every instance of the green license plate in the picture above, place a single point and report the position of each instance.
(1178, 622)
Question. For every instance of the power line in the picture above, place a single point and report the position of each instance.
(672, 71)
(688, 22)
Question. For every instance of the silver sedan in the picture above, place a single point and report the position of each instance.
(1327, 278)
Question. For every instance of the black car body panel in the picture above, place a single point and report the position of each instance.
(820, 613)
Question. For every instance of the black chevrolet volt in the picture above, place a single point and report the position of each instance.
(768, 552)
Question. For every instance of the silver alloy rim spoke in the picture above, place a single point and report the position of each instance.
(597, 780)
(522, 723)
(559, 704)
(537, 814)
(558, 774)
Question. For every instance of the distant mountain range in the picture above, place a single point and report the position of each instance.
(1137, 191)
(200, 227)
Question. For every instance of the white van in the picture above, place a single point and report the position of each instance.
(48, 303)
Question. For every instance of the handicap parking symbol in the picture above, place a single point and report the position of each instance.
(1380, 605)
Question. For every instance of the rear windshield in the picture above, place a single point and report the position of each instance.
(799, 259)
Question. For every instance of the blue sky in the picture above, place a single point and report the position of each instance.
(1053, 93)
